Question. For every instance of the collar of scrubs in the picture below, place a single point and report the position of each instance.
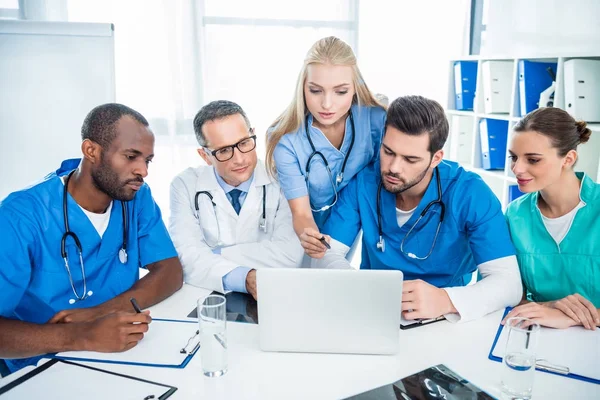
(589, 191)
(66, 166)
(388, 203)
(79, 222)
(321, 141)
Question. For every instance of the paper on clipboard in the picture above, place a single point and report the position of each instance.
(161, 346)
(57, 380)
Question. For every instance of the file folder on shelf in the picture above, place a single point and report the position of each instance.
(497, 86)
(582, 89)
(493, 135)
(534, 78)
(465, 81)
(168, 343)
(514, 193)
(572, 352)
(461, 130)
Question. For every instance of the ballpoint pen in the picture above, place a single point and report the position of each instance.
(322, 240)
(135, 305)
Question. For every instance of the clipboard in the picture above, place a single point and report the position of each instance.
(50, 379)
(167, 344)
(542, 365)
(410, 324)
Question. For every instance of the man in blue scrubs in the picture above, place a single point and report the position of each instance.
(54, 300)
(437, 223)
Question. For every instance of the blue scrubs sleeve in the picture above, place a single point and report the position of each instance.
(344, 223)
(291, 178)
(485, 225)
(378, 118)
(17, 241)
(153, 239)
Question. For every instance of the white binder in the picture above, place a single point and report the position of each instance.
(582, 89)
(461, 130)
(497, 86)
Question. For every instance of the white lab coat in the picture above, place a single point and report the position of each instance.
(242, 243)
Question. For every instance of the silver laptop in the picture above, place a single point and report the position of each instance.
(329, 311)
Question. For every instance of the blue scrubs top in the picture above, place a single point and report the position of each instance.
(34, 284)
(473, 231)
(293, 151)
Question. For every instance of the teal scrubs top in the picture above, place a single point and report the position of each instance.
(550, 270)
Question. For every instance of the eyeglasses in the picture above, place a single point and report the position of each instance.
(226, 153)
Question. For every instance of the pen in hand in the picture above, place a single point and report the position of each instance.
(135, 305)
(322, 240)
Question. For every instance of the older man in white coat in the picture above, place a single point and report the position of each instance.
(229, 218)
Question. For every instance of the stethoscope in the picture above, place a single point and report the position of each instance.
(262, 222)
(339, 177)
(381, 242)
(69, 233)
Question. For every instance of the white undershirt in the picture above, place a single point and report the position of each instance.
(99, 221)
(403, 216)
(559, 227)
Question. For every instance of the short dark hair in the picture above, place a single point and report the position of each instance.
(564, 132)
(99, 124)
(215, 110)
(416, 115)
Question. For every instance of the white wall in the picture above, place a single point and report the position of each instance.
(404, 45)
(522, 27)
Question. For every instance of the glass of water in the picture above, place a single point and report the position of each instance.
(212, 321)
(519, 358)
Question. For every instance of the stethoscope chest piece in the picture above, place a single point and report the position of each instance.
(123, 256)
(381, 244)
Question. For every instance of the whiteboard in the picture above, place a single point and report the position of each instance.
(51, 75)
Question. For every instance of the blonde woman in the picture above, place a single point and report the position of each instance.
(331, 130)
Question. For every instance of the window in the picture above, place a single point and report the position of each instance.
(171, 57)
(9, 9)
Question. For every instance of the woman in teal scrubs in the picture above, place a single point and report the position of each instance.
(555, 227)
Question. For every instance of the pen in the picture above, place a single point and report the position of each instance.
(322, 240)
(220, 340)
(528, 335)
(135, 305)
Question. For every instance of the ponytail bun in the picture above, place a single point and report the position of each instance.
(584, 131)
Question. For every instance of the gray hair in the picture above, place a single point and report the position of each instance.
(215, 110)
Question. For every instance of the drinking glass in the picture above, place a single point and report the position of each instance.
(212, 321)
(519, 358)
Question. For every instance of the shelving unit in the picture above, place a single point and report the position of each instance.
(464, 144)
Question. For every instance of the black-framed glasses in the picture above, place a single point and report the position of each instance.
(226, 153)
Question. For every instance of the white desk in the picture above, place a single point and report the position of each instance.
(257, 375)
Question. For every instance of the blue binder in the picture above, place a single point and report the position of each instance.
(533, 80)
(514, 193)
(465, 81)
(493, 135)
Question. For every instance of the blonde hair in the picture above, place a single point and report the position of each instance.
(329, 50)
